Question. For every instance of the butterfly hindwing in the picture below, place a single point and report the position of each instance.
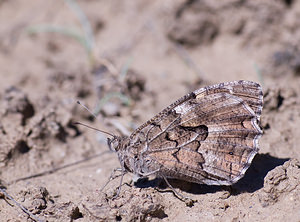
(208, 136)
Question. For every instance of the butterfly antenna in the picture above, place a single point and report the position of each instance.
(93, 128)
(87, 109)
(90, 127)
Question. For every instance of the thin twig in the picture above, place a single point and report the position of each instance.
(108, 97)
(58, 168)
(259, 74)
(188, 60)
(33, 217)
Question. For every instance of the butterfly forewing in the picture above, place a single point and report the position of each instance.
(208, 136)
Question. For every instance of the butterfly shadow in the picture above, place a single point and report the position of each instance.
(251, 182)
(254, 177)
(162, 186)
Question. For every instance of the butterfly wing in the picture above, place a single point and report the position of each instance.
(209, 136)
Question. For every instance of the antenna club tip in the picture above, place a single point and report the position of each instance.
(78, 102)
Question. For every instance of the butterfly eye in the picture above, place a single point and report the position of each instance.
(109, 144)
(112, 144)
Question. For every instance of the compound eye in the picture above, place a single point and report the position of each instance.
(113, 144)
(109, 143)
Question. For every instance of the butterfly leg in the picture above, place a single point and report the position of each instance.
(121, 181)
(187, 200)
(113, 176)
(149, 173)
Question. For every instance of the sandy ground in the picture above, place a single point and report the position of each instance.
(139, 57)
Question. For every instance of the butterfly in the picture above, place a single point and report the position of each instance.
(209, 136)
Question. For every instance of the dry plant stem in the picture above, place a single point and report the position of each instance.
(58, 168)
(20, 206)
(188, 60)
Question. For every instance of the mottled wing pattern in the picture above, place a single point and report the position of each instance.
(209, 136)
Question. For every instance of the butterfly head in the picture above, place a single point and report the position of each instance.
(119, 144)
(115, 143)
